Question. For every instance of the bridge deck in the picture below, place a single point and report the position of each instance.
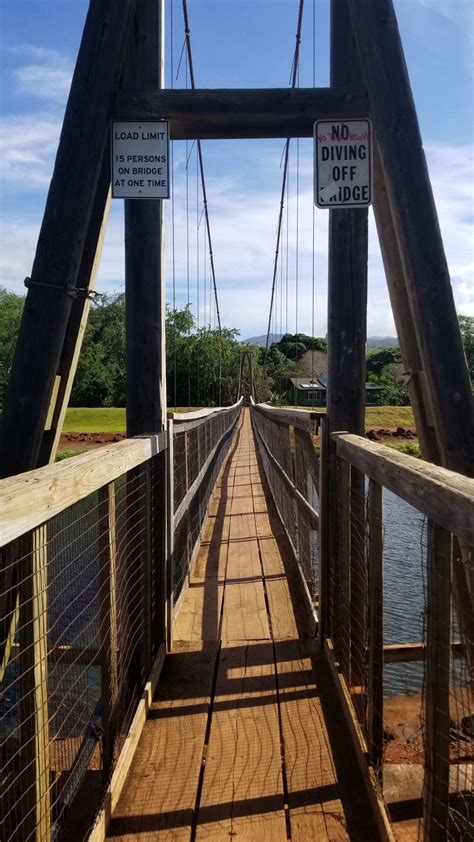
(245, 739)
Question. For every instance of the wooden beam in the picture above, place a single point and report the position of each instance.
(28, 500)
(144, 270)
(36, 809)
(438, 659)
(442, 495)
(405, 323)
(402, 653)
(376, 648)
(236, 113)
(78, 317)
(416, 222)
(65, 224)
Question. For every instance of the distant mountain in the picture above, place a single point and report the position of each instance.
(262, 340)
(382, 342)
(372, 341)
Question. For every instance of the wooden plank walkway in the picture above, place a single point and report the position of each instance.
(245, 739)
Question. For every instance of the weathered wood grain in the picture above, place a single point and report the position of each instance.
(442, 495)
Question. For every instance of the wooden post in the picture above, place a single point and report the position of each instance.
(144, 280)
(108, 621)
(147, 578)
(144, 275)
(376, 658)
(347, 317)
(416, 224)
(438, 658)
(170, 537)
(36, 803)
(60, 247)
(323, 531)
(345, 630)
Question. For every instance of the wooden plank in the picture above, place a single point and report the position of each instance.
(124, 762)
(244, 615)
(59, 252)
(417, 227)
(316, 810)
(36, 807)
(161, 790)
(376, 648)
(396, 653)
(108, 621)
(227, 113)
(242, 792)
(440, 494)
(29, 499)
(438, 659)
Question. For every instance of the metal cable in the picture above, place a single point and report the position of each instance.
(293, 80)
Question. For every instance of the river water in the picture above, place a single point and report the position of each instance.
(405, 539)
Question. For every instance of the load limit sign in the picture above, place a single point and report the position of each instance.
(140, 159)
(342, 163)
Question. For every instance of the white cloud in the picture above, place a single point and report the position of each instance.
(243, 222)
(46, 75)
(28, 145)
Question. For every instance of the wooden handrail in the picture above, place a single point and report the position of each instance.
(30, 499)
(191, 420)
(442, 495)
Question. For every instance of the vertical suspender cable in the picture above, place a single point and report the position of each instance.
(293, 78)
(173, 247)
(313, 266)
(187, 32)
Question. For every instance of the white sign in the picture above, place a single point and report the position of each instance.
(342, 163)
(140, 156)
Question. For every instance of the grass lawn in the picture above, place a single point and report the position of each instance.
(377, 417)
(380, 417)
(91, 420)
(104, 420)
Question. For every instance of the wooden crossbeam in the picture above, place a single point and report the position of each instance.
(241, 113)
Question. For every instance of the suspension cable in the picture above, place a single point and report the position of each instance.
(293, 80)
(187, 33)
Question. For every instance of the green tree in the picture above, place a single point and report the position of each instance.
(466, 325)
(100, 376)
(11, 309)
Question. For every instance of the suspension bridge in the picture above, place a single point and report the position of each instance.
(194, 620)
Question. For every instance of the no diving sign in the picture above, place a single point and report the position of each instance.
(342, 163)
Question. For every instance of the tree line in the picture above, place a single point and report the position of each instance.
(202, 363)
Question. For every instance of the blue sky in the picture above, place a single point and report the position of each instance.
(239, 43)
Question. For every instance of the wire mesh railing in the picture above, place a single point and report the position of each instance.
(95, 553)
(82, 619)
(199, 446)
(398, 622)
(291, 464)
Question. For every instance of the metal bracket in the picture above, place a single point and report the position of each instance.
(70, 291)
